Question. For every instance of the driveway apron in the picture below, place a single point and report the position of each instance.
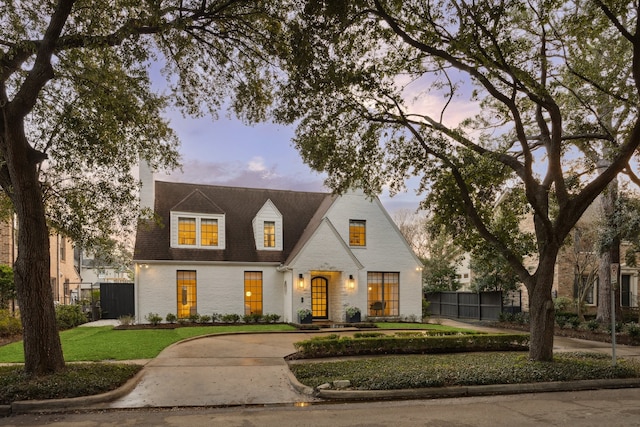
(240, 369)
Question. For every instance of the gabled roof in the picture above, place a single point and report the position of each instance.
(197, 202)
(240, 206)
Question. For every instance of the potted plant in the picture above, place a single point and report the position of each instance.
(305, 315)
(353, 314)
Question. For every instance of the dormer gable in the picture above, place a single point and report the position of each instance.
(197, 223)
(267, 228)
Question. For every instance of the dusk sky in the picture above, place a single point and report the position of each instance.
(227, 152)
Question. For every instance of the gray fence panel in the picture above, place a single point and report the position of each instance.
(467, 305)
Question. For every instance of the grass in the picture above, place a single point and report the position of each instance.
(105, 343)
(417, 371)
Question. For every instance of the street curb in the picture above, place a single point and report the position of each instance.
(478, 390)
(81, 402)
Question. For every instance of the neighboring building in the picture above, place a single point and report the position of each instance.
(575, 260)
(64, 275)
(230, 250)
(96, 270)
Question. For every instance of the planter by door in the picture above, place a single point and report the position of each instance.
(306, 319)
(353, 319)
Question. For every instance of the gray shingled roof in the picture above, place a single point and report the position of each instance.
(240, 206)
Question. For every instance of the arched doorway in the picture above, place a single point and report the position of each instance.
(320, 297)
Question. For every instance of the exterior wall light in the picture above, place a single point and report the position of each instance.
(300, 281)
(351, 284)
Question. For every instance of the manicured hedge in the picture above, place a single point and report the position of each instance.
(335, 345)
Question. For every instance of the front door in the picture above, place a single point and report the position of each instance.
(319, 297)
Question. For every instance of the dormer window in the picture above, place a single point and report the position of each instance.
(209, 232)
(269, 234)
(187, 231)
(202, 231)
(267, 228)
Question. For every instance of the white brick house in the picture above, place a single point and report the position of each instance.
(230, 250)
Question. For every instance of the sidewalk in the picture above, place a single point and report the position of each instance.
(249, 369)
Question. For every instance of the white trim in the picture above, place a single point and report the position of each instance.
(176, 215)
(268, 213)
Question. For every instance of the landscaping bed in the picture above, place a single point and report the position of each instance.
(409, 342)
(459, 369)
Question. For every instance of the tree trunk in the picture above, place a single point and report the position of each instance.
(610, 255)
(42, 348)
(541, 312)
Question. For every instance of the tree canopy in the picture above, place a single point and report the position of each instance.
(79, 110)
(381, 89)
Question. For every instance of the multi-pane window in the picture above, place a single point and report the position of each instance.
(208, 232)
(357, 232)
(269, 234)
(585, 286)
(205, 231)
(187, 295)
(186, 231)
(383, 293)
(253, 292)
(626, 296)
(63, 248)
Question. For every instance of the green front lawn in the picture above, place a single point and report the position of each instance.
(106, 343)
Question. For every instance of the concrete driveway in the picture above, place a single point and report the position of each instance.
(239, 369)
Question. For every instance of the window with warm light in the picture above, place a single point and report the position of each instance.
(253, 292)
(186, 286)
(186, 231)
(357, 232)
(383, 293)
(203, 231)
(269, 234)
(209, 232)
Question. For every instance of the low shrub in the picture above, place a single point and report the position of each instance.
(215, 317)
(593, 325)
(519, 318)
(194, 318)
(633, 329)
(205, 318)
(9, 325)
(252, 318)
(69, 316)
(368, 334)
(345, 346)
(126, 320)
(153, 318)
(171, 318)
(271, 317)
(230, 318)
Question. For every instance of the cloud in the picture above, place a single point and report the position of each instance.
(254, 174)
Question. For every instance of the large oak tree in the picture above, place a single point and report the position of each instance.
(78, 110)
(378, 89)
